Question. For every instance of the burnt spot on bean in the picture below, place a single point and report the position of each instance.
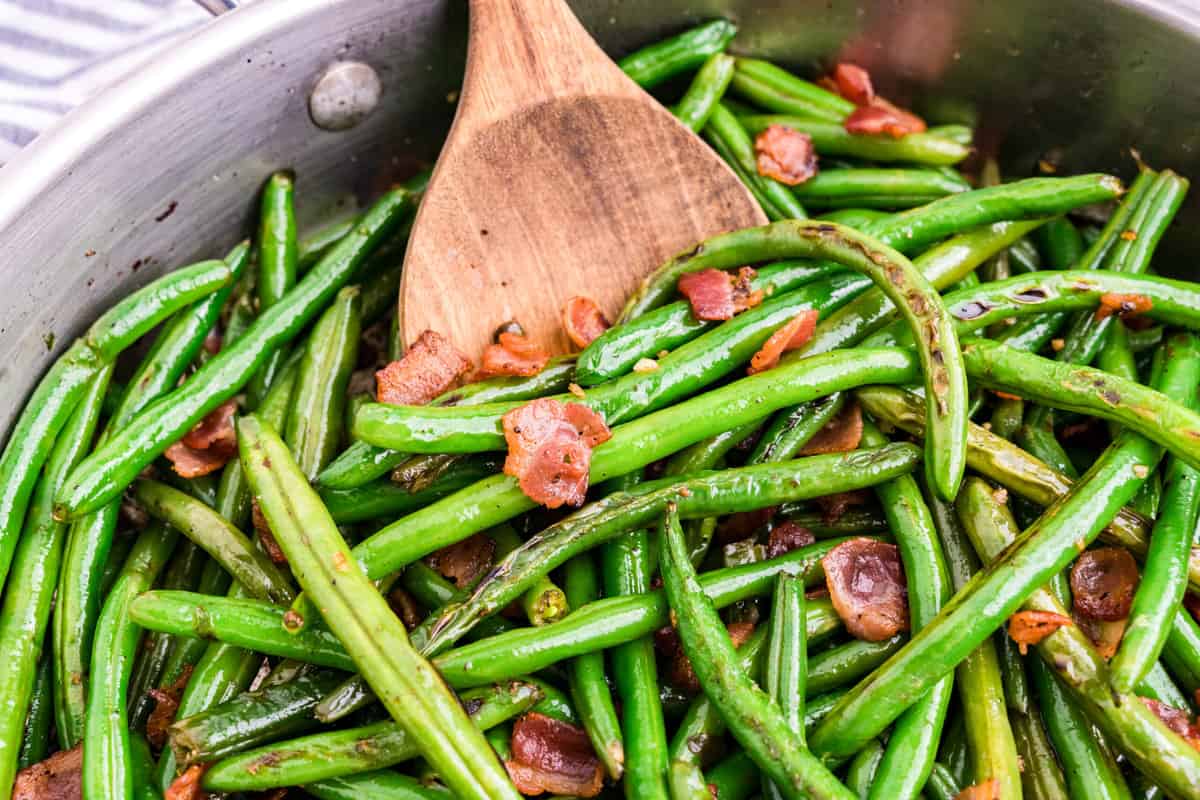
(1111, 396)
(1030, 295)
(972, 309)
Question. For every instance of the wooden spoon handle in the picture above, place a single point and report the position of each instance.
(524, 52)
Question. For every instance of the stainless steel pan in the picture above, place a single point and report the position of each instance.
(164, 167)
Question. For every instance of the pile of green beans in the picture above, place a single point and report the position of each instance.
(1027, 386)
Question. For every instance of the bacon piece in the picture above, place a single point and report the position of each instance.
(786, 537)
(717, 295)
(841, 434)
(464, 562)
(1104, 636)
(1176, 719)
(793, 334)
(550, 449)
(431, 366)
(743, 524)
(834, 505)
(1123, 305)
(1029, 627)
(1102, 582)
(208, 446)
(265, 536)
(680, 673)
(785, 154)
(405, 607)
(514, 354)
(583, 321)
(853, 83)
(58, 777)
(549, 755)
(881, 117)
(866, 584)
(166, 703)
(187, 785)
(988, 790)
(1192, 603)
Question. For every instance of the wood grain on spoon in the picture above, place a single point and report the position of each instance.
(560, 177)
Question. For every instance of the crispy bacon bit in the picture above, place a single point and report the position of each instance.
(550, 449)
(1029, 627)
(834, 505)
(1176, 719)
(866, 584)
(1123, 305)
(59, 777)
(717, 295)
(786, 537)
(208, 446)
(1102, 582)
(431, 366)
(583, 321)
(853, 83)
(405, 607)
(988, 790)
(212, 341)
(680, 673)
(794, 334)
(187, 785)
(785, 154)
(464, 562)
(881, 117)
(1104, 636)
(549, 755)
(841, 434)
(166, 703)
(743, 524)
(514, 354)
(265, 536)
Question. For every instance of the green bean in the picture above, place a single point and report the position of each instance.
(757, 724)
(786, 670)
(362, 463)
(953, 750)
(107, 771)
(1122, 718)
(1041, 778)
(35, 738)
(981, 692)
(1158, 685)
(941, 784)
(589, 686)
(963, 134)
(637, 444)
(183, 572)
(231, 548)
(379, 290)
(271, 712)
(381, 785)
(779, 91)
(214, 580)
(831, 139)
(707, 87)
(384, 499)
(315, 244)
(1024, 257)
(117, 462)
(142, 768)
(35, 566)
(555, 702)
(729, 491)
(278, 263)
(735, 778)
(877, 188)
(665, 59)
(407, 685)
(1182, 650)
(734, 145)
(912, 747)
(860, 776)
(791, 429)
(433, 591)
(1164, 576)
(615, 351)
(1042, 551)
(687, 782)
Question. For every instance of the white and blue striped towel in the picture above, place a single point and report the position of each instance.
(54, 54)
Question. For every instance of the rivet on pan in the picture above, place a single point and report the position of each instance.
(344, 95)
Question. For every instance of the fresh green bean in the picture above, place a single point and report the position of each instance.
(117, 462)
(405, 682)
(757, 724)
(781, 92)
(786, 670)
(30, 590)
(732, 143)
(107, 770)
(665, 59)
(231, 548)
(710, 83)
(589, 686)
(830, 138)
(729, 491)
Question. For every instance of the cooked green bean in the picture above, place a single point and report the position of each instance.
(665, 59)
(278, 264)
(35, 739)
(777, 90)
(383, 499)
(406, 683)
(786, 671)
(831, 138)
(734, 145)
(758, 725)
(791, 429)
(711, 80)
(877, 188)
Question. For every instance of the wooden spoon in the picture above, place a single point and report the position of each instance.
(560, 177)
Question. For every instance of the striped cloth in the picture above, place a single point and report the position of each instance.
(54, 54)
